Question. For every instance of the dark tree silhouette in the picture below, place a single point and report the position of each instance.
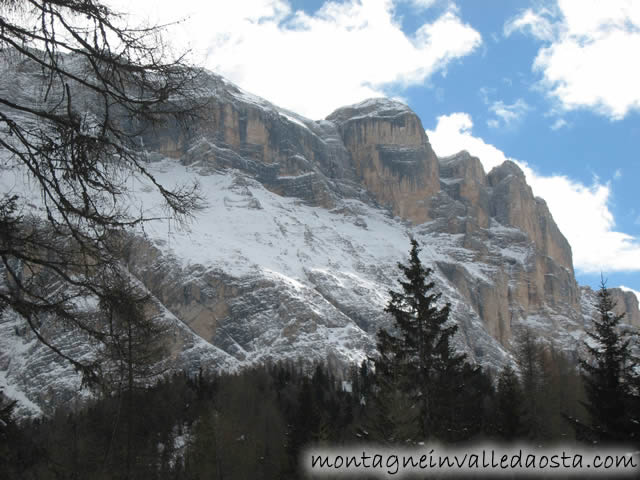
(607, 373)
(529, 355)
(417, 358)
(509, 400)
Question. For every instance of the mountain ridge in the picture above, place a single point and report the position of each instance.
(306, 220)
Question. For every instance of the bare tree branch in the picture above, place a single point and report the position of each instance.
(101, 86)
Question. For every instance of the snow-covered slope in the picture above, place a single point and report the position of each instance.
(309, 281)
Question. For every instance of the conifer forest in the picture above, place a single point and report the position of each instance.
(197, 284)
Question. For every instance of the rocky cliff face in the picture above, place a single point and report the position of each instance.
(499, 210)
(306, 222)
(391, 155)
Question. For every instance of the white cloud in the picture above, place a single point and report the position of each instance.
(559, 123)
(506, 115)
(453, 133)
(535, 23)
(581, 211)
(422, 4)
(509, 114)
(589, 57)
(343, 53)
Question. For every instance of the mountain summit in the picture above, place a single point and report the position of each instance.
(297, 249)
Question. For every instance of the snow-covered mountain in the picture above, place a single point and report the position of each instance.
(298, 246)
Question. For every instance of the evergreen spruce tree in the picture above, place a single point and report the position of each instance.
(417, 359)
(393, 416)
(607, 373)
(7, 431)
(307, 425)
(632, 404)
(529, 355)
(509, 401)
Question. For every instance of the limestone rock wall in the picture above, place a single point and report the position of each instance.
(513, 204)
(499, 209)
(391, 154)
(627, 303)
(290, 155)
(464, 179)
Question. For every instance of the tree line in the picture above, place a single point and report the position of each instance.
(415, 388)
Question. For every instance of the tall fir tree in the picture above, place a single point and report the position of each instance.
(608, 378)
(417, 360)
(394, 415)
(529, 355)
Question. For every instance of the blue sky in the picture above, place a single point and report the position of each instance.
(552, 84)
